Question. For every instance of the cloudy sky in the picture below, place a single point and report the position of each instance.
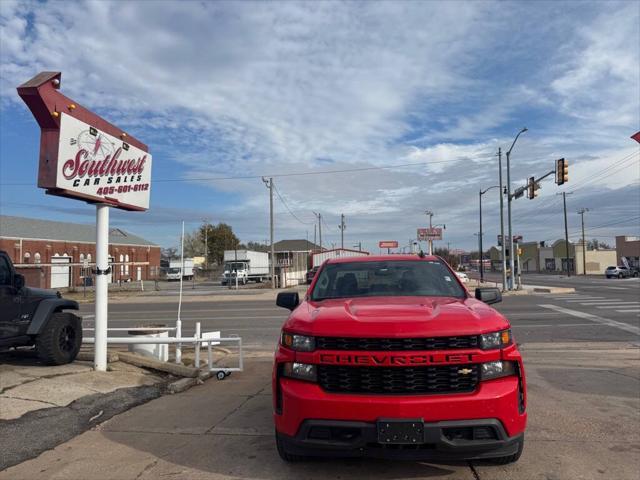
(384, 109)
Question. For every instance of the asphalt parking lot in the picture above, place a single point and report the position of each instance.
(582, 354)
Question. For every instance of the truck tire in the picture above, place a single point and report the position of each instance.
(509, 458)
(59, 340)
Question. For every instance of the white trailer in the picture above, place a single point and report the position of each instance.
(246, 265)
(319, 258)
(177, 270)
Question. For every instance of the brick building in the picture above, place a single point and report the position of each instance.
(60, 254)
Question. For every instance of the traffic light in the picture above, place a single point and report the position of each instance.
(532, 188)
(562, 171)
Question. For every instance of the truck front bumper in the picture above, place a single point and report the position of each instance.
(443, 441)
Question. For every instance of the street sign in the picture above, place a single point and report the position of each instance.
(499, 240)
(434, 233)
(82, 155)
(93, 165)
(388, 244)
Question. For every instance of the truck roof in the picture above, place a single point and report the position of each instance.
(385, 258)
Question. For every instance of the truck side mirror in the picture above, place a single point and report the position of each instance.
(288, 300)
(18, 281)
(488, 295)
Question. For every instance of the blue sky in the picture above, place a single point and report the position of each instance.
(242, 89)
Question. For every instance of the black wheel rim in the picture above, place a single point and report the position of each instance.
(67, 339)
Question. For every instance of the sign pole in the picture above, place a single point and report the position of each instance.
(102, 287)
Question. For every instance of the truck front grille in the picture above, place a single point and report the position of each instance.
(396, 344)
(398, 380)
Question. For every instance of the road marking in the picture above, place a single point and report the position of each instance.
(593, 299)
(558, 325)
(595, 318)
(620, 305)
(631, 310)
(617, 288)
(612, 304)
(599, 302)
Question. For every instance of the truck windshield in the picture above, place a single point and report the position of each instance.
(174, 270)
(386, 279)
(235, 266)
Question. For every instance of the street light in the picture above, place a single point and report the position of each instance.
(509, 199)
(482, 192)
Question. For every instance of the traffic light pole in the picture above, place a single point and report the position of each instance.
(581, 212)
(509, 200)
(566, 233)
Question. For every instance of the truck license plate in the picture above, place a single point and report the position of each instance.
(405, 432)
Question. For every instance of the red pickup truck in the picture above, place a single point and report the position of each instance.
(390, 356)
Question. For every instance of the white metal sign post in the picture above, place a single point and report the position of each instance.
(84, 157)
(102, 287)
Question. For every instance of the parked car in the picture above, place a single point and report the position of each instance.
(464, 278)
(310, 274)
(392, 357)
(33, 316)
(617, 272)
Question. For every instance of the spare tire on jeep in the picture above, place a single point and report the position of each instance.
(59, 340)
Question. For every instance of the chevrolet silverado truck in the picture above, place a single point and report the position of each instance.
(391, 356)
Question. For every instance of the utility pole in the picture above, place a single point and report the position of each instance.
(342, 228)
(581, 212)
(504, 253)
(359, 245)
(319, 216)
(269, 184)
(315, 234)
(566, 232)
(482, 192)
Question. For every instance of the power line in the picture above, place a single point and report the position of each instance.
(288, 209)
(294, 174)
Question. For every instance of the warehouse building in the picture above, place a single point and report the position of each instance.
(60, 254)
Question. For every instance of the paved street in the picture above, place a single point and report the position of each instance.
(583, 366)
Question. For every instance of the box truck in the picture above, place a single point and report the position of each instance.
(246, 265)
(175, 270)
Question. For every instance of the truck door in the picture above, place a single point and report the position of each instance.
(10, 302)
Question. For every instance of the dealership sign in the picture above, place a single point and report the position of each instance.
(82, 155)
(94, 164)
(388, 244)
(434, 233)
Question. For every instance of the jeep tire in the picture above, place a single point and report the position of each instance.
(59, 340)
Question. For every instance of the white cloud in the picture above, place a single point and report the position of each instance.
(251, 88)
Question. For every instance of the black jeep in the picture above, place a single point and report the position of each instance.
(33, 316)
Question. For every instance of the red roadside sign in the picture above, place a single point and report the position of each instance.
(388, 244)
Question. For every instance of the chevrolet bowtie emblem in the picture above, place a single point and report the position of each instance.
(465, 371)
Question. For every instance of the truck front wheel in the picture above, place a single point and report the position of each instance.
(59, 340)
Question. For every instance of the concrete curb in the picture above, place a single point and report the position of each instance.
(35, 432)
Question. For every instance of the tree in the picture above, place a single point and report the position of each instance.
(255, 246)
(595, 244)
(451, 259)
(170, 253)
(219, 238)
(193, 244)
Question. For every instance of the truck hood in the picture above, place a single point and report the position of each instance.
(395, 317)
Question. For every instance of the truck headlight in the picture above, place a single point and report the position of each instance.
(498, 369)
(300, 343)
(501, 339)
(300, 371)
